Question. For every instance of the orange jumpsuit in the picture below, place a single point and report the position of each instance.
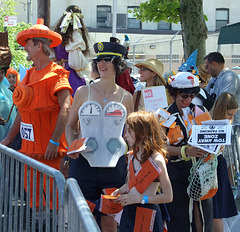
(38, 106)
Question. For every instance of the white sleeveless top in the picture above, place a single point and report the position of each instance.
(104, 128)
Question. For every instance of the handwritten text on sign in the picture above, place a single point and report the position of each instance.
(154, 97)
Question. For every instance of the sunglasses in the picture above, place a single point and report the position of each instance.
(186, 95)
(107, 59)
(144, 68)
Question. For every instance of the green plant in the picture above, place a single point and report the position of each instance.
(7, 8)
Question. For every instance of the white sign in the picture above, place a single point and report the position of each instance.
(26, 131)
(209, 148)
(154, 98)
(211, 135)
(10, 21)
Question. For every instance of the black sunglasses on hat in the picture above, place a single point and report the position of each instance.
(107, 59)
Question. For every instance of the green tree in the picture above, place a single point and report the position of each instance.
(7, 8)
(188, 12)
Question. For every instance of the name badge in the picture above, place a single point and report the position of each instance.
(26, 131)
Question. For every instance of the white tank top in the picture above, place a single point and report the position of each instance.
(104, 128)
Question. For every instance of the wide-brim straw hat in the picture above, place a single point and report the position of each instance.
(155, 66)
(39, 30)
(203, 73)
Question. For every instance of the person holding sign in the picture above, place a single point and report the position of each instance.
(224, 205)
(147, 170)
(100, 110)
(150, 72)
(177, 120)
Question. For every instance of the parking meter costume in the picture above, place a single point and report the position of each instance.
(108, 142)
(104, 166)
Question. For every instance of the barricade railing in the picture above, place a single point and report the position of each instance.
(79, 217)
(234, 160)
(33, 197)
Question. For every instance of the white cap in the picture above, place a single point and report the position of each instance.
(183, 80)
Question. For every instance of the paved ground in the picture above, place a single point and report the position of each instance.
(233, 224)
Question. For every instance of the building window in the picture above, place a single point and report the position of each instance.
(133, 22)
(236, 59)
(162, 25)
(102, 16)
(222, 17)
(166, 58)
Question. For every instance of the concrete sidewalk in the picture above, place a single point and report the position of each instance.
(233, 224)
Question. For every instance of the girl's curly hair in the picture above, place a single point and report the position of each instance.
(148, 132)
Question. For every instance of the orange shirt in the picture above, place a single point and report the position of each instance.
(38, 106)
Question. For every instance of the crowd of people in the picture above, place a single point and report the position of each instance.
(142, 159)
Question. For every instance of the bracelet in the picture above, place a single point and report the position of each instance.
(145, 198)
(53, 142)
(183, 153)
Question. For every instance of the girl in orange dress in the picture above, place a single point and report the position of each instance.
(147, 169)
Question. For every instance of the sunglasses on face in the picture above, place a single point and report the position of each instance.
(144, 68)
(186, 95)
(107, 59)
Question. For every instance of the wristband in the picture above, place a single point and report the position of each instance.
(53, 142)
(183, 154)
(144, 199)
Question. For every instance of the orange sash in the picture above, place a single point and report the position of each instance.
(144, 176)
(175, 135)
(144, 220)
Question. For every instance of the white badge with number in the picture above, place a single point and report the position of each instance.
(26, 131)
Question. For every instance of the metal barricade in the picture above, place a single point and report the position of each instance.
(234, 158)
(25, 181)
(79, 217)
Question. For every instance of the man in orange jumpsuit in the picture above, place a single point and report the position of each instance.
(43, 101)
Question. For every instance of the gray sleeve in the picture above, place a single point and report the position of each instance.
(230, 82)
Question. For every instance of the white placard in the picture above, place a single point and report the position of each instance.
(209, 148)
(10, 21)
(211, 134)
(154, 98)
(26, 131)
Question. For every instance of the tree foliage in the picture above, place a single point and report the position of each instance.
(159, 10)
(7, 8)
(189, 13)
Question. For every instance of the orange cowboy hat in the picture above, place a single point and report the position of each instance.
(39, 30)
